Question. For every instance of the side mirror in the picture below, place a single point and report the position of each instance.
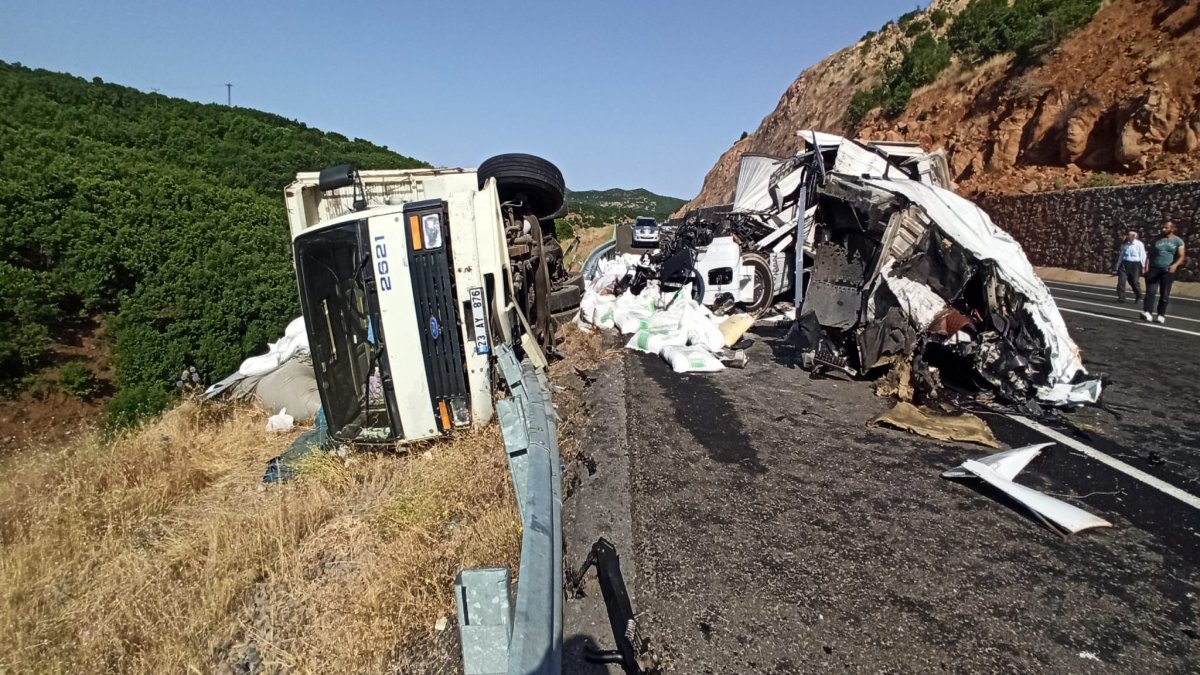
(336, 177)
(344, 175)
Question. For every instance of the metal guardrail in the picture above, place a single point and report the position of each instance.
(526, 639)
(592, 263)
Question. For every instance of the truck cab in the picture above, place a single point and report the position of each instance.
(407, 283)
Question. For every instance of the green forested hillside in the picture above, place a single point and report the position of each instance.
(595, 208)
(165, 216)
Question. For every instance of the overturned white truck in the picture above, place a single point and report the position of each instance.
(408, 279)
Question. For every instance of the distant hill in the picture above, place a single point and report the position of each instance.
(596, 208)
(162, 217)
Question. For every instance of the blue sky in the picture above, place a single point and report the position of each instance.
(617, 93)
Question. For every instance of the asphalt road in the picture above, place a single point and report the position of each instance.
(765, 528)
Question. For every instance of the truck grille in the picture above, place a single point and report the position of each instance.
(437, 315)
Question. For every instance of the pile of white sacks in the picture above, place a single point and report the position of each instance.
(668, 323)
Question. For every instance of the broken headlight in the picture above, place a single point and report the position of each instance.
(431, 228)
(460, 412)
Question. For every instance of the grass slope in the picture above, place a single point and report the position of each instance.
(164, 215)
(162, 552)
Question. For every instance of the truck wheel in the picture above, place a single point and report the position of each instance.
(560, 213)
(568, 295)
(698, 287)
(565, 316)
(531, 180)
(764, 284)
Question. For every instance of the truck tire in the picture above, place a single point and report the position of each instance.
(764, 284)
(560, 213)
(535, 182)
(565, 316)
(568, 295)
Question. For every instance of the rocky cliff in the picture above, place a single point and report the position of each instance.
(1117, 101)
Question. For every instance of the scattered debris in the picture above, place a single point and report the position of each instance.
(283, 378)
(735, 359)
(633, 653)
(280, 421)
(900, 270)
(660, 317)
(284, 467)
(922, 421)
(734, 327)
(1000, 470)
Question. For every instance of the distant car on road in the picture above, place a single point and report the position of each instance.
(646, 232)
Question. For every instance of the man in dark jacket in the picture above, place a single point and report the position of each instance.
(1166, 254)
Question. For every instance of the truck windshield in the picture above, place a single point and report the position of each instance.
(332, 266)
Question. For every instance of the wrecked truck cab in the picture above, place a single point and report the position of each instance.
(407, 285)
(909, 275)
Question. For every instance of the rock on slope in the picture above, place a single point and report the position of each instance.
(1120, 95)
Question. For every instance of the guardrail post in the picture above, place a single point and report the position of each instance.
(532, 640)
(485, 619)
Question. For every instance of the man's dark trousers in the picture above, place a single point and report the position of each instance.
(1156, 278)
(1131, 270)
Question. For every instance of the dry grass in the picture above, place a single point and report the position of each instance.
(161, 552)
(581, 350)
(579, 246)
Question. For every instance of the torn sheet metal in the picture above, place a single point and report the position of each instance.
(965, 427)
(1063, 393)
(1001, 469)
(985, 325)
(917, 300)
(753, 193)
(1006, 464)
(971, 228)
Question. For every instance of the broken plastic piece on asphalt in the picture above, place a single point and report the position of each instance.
(965, 427)
(723, 304)
(1000, 469)
(1006, 464)
(736, 359)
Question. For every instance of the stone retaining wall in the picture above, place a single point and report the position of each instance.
(1083, 229)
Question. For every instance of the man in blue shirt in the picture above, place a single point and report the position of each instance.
(1166, 255)
(1130, 263)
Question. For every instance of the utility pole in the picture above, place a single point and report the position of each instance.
(228, 94)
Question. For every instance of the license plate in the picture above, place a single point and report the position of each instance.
(479, 321)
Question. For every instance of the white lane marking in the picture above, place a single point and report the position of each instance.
(1135, 473)
(1138, 322)
(1119, 308)
(1111, 292)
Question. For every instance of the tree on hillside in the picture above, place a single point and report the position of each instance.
(163, 214)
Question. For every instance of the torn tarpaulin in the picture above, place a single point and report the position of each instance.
(999, 471)
(965, 427)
